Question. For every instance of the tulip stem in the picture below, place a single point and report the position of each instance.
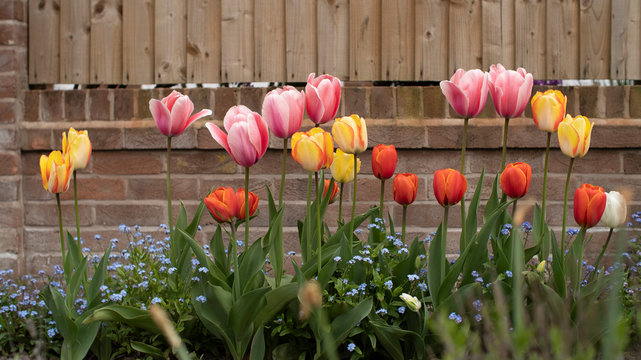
(282, 176)
(171, 227)
(351, 233)
(579, 262)
(565, 205)
(514, 209)
(234, 250)
(340, 204)
(463, 147)
(543, 206)
(75, 203)
(404, 218)
(308, 229)
(504, 153)
(382, 197)
(444, 241)
(247, 206)
(62, 237)
(605, 246)
(316, 185)
(319, 191)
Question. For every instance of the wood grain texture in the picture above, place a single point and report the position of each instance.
(106, 42)
(465, 40)
(625, 39)
(333, 25)
(44, 41)
(237, 40)
(138, 44)
(431, 40)
(595, 39)
(562, 39)
(269, 36)
(203, 41)
(397, 39)
(365, 40)
(530, 36)
(170, 41)
(301, 33)
(75, 26)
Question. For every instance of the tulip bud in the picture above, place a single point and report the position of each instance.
(310, 297)
(173, 113)
(541, 267)
(240, 199)
(405, 186)
(449, 186)
(412, 302)
(78, 145)
(384, 159)
(343, 167)
(56, 171)
(334, 190)
(515, 179)
(615, 211)
(222, 204)
(350, 134)
(574, 135)
(466, 91)
(322, 96)
(548, 109)
(283, 111)
(313, 149)
(510, 90)
(589, 204)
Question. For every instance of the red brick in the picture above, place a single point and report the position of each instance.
(252, 98)
(611, 133)
(9, 241)
(199, 162)
(51, 105)
(151, 138)
(355, 101)
(12, 10)
(489, 111)
(271, 163)
(9, 163)
(635, 102)
(13, 34)
(12, 59)
(489, 160)
(36, 139)
(382, 102)
(46, 214)
(11, 262)
(143, 97)
(369, 188)
(450, 136)
(434, 102)
(130, 214)
(522, 133)
(31, 163)
(75, 104)
(8, 139)
(614, 100)
(100, 104)
(124, 104)
(224, 99)
(11, 216)
(200, 98)
(404, 135)
(8, 109)
(144, 188)
(409, 102)
(32, 105)
(205, 140)
(9, 190)
(42, 240)
(127, 162)
(106, 138)
(9, 83)
(595, 161)
(632, 162)
(589, 101)
(32, 188)
(97, 189)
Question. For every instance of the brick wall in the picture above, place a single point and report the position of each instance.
(125, 180)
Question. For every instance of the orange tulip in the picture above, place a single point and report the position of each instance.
(56, 171)
(449, 186)
(515, 179)
(240, 198)
(350, 134)
(548, 109)
(332, 197)
(574, 135)
(384, 159)
(405, 186)
(222, 204)
(78, 145)
(589, 204)
(313, 149)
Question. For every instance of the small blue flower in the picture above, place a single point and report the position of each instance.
(478, 317)
(337, 258)
(477, 305)
(456, 318)
(526, 227)
(52, 332)
(412, 277)
(401, 310)
(156, 300)
(358, 231)
(203, 270)
(171, 270)
(351, 347)
(422, 286)
(384, 251)
(201, 299)
(381, 312)
(572, 232)
(389, 284)
(508, 273)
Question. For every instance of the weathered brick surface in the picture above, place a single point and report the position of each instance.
(8, 109)
(355, 101)
(224, 99)
(13, 34)
(51, 105)
(99, 104)
(382, 103)
(123, 104)
(408, 102)
(10, 163)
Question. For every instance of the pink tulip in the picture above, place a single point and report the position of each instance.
(283, 111)
(173, 113)
(466, 91)
(323, 95)
(246, 138)
(510, 90)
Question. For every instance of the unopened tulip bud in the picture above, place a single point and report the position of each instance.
(412, 302)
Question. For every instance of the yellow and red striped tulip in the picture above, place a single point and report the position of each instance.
(589, 205)
(449, 186)
(313, 149)
(350, 134)
(548, 109)
(56, 172)
(222, 204)
(343, 167)
(405, 186)
(78, 146)
(334, 190)
(240, 199)
(515, 179)
(574, 135)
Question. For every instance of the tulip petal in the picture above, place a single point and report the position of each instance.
(240, 143)
(309, 155)
(199, 115)
(171, 99)
(456, 97)
(439, 187)
(525, 91)
(180, 113)
(315, 107)
(218, 135)
(161, 115)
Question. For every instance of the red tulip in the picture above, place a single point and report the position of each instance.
(405, 186)
(384, 159)
(332, 197)
(515, 179)
(283, 111)
(240, 198)
(323, 96)
(449, 186)
(510, 90)
(222, 204)
(246, 138)
(173, 113)
(466, 91)
(589, 204)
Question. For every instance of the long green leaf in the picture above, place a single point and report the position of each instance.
(471, 220)
(343, 324)
(245, 310)
(434, 260)
(129, 315)
(147, 349)
(558, 267)
(276, 251)
(250, 263)
(214, 274)
(257, 351)
(276, 300)
(493, 201)
(218, 250)
(98, 279)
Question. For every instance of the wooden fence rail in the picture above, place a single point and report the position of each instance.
(204, 41)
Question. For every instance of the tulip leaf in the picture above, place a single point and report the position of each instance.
(390, 338)
(471, 220)
(214, 274)
(147, 349)
(275, 300)
(214, 312)
(257, 350)
(493, 201)
(218, 250)
(345, 322)
(557, 267)
(434, 262)
(408, 265)
(250, 262)
(244, 311)
(129, 315)
(98, 279)
(276, 251)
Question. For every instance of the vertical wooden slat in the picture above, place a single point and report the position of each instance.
(365, 40)
(530, 35)
(595, 39)
(465, 29)
(138, 42)
(269, 34)
(562, 39)
(301, 45)
(333, 44)
(75, 24)
(203, 41)
(170, 41)
(106, 42)
(44, 41)
(237, 40)
(625, 39)
(431, 36)
(397, 40)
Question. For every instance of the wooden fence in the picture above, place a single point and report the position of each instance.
(203, 41)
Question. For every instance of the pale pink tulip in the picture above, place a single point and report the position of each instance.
(283, 111)
(510, 90)
(322, 95)
(173, 113)
(246, 138)
(466, 91)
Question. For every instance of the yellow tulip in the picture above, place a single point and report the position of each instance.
(343, 167)
(350, 134)
(313, 149)
(574, 135)
(56, 171)
(78, 146)
(548, 109)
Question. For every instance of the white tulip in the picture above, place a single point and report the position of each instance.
(615, 210)
(412, 302)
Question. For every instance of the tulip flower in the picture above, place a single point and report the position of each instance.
(313, 149)
(515, 179)
(343, 167)
(466, 91)
(173, 113)
(322, 96)
(222, 204)
(449, 186)
(78, 145)
(334, 190)
(350, 134)
(240, 199)
(384, 159)
(548, 109)
(405, 186)
(615, 212)
(412, 302)
(589, 205)
(574, 135)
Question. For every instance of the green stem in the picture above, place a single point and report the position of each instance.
(463, 147)
(62, 236)
(340, 204)
(319, 191)
(404, 218)
(316, 184)
(565, 205)
(382, 197)
(444, 241)
(308, 228)
(514, 209)
(247, 206)
(505, 127)
(351, 232)
(282, 176)
(234, 250)
(171, 227)
(75, 203)
(545, 177)
(605, 246)
(579, 263)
